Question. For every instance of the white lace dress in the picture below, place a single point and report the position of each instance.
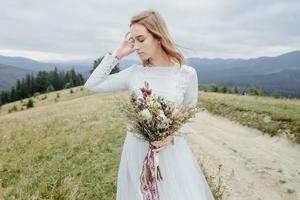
(183, 178)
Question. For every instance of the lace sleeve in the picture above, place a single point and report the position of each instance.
(102, 81)
(190, 98)
(191, 93)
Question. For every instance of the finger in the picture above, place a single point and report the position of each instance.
(159, 149)
(157, 145)
(127, 36)
(154, 144)
(131, 41)
(165, 143)
(160, 143)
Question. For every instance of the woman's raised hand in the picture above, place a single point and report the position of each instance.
(126, 46)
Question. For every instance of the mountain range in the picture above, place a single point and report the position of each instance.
(280, 73)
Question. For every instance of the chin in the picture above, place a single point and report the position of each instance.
(145, 57)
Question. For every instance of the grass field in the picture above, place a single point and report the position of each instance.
(272, 116)
(64, 150)
(70, 148)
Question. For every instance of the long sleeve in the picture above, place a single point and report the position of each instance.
(102, 81)
(191, 94)
(190, 98)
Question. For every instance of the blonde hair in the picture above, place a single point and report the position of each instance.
(156, 25)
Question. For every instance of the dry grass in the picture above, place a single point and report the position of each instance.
(65, 149)
(215, 181)
(272, 116)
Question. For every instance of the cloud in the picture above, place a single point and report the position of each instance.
(68, 29)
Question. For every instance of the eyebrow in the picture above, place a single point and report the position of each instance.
(138, 36)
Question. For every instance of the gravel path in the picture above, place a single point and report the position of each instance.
(254, 165)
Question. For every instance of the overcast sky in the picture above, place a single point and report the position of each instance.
(73, 29)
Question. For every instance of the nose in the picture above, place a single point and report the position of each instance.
(136, 46)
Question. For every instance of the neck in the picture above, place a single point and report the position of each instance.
(160, 58)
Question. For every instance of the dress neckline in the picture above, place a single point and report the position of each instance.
(162, 67)
(176, 66)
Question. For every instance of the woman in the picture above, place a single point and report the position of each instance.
(164, 69)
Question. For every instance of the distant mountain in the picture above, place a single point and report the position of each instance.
(32, 65)
(261, 65)
(17, 67)
(13, 68)
(9, 75)
(29, 64)
(280, 73)
(286, 82)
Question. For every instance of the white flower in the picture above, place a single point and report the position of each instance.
(157, 104)
(146, 114)
(163, 116)
(175, 110)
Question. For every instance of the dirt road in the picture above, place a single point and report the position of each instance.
(255, 166)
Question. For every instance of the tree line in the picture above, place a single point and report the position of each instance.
(47, 81)
(42, 82)
(251, 90)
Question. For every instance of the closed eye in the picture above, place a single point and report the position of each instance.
(139, 39)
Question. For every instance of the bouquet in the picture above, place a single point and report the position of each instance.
(153, 119)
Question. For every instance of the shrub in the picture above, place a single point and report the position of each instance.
(13, 109)
(44, 97)
(36, 94)
(30, 103)
(275, 94)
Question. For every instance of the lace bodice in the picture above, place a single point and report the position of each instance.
(174, 83)
(177, 84)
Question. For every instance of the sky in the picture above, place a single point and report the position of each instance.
(74, 30)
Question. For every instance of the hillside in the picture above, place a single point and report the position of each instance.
(280, 73)
(13, 68)
(70, 147)
(10, 74)
(61, 150)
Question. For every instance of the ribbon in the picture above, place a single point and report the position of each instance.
(150, 174)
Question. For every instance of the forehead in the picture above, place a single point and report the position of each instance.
(138, 30)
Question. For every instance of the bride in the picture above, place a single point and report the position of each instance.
(164, 68)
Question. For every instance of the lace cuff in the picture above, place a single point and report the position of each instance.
(108, 62)
(102, 81)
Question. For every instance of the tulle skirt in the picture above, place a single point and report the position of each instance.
(183, 178)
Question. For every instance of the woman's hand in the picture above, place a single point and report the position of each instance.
(126, 47)
(160, 145)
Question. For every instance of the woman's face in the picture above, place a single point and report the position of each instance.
(145, 44)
